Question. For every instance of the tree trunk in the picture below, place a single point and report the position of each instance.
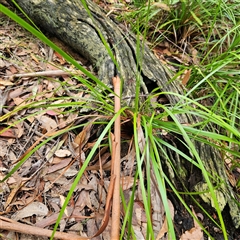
(70, 22)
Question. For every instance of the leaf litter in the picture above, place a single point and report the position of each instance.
(31, 76)
(34, 194)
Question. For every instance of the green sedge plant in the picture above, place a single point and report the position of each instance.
(223, 115)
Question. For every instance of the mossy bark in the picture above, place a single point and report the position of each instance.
(70, 21)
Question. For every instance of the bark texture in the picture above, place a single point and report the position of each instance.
(70, 21)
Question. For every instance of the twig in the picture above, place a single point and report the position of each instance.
(46, 73)
(11, 225)
(116, 161)
(107, 208)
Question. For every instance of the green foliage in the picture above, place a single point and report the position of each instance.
(212, 93)
(139, 3)
(36, 32)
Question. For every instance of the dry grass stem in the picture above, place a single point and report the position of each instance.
(116, 162)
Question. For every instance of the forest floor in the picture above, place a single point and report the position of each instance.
(35, 193)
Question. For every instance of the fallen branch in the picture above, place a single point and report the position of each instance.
(11, 225)
(45, 74)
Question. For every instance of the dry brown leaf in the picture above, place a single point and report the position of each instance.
(52, 112)
(30, 119)
(62, 200)
(164, 228)
(34, 208)
(139, 212)
(71, 171)
(83, 201)
(57, 165)
(63, 153)
(126, 182)
(138, 232)
(13, 193)
(139, 215)
(8, 133)
(13, 69)
(4, 147)
(47, 122)
(195, 233)
(60, 58)
(186, 77)
(2, 63)
(167, 52)
(107, 208)
(20, 131)
(57, 88)
(82, 186)
(51, 151)
(18, 101)
(49, 220)
(83, 136)
(5, 82)
(157, 206)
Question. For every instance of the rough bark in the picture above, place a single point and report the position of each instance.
(69, 21)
